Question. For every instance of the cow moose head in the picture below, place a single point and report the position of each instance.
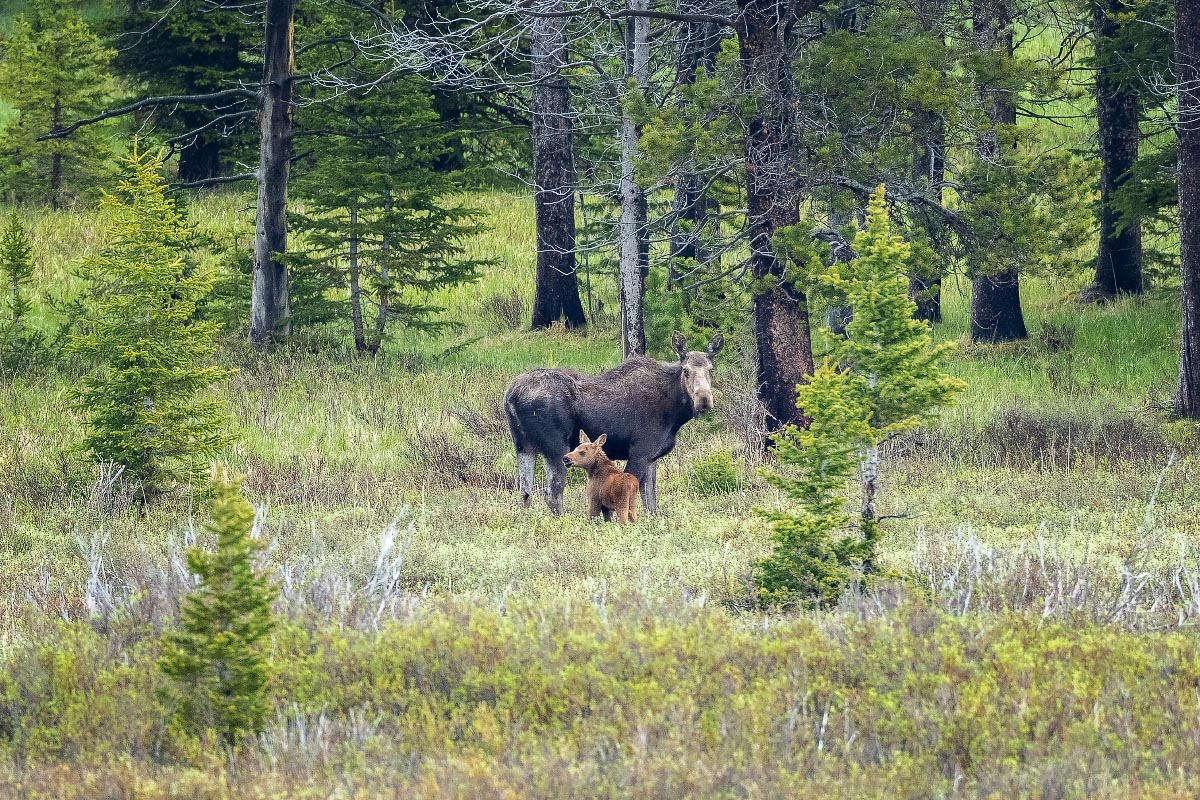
(696, 375)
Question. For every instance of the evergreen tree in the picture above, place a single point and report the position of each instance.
(54, 70)
(883, 379)
(217, 655)
(145, 397)
(20, 344)
(376, 220)
(193, 47)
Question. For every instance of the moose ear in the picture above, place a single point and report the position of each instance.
(583, 437)
(601, 439)
(714, 345)
(680, 345)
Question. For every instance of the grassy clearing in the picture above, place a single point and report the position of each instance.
(523, 654)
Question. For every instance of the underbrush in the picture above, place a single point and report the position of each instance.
(630, 694)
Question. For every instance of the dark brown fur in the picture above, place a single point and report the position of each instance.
(610, 491)
(640, 404)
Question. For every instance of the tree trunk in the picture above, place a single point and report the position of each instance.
(270, 304)
(356, 315)
(929, 170)
(1119, 260)
(385, 287)
(696, 48)
(200, 160)
(781, 327)
(56, 159)
(1187, 73)
(556, 294)
(632, 225)
(996, 314)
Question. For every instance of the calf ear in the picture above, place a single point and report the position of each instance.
(583, 437)
(680, 345)
(601, 439)
(714, 345)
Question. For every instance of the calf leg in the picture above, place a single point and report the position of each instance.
(525, 466)
(557, 474)
(631, 513)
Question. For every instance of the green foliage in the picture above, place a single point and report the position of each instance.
(715, 473)
(378, 221)
(145, 397)
(217, 656)
(53, 70)
(894, 364)
(883, 379)
(21, 345)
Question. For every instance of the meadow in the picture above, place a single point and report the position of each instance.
(1035, 636)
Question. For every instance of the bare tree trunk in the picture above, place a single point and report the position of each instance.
(996, 314)
(781, 326)
(270, 303)
(1187, 73)
(929, 170)
(1119, 260)
(556, 294)
(632, 226)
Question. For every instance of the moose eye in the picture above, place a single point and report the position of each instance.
(687, 372)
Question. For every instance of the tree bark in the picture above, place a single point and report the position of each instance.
(781, 325)
(1187, 74)
(270, 303)
(929, 170)
(996, 314)
(56, 159)
(1119, 260)
(556, 294)
(632, 224)
(356, 315)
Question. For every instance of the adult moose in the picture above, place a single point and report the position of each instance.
(641, 404)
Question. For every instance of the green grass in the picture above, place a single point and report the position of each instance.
(1013, 521)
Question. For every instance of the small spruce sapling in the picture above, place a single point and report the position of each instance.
(153, 357)
(883, 379)
(217, 656)
(20, 343)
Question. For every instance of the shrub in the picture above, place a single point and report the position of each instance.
(715, 473)
(883, 379)
(21, 345)
(217, 658)
(152, 355)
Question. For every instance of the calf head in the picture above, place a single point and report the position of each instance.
(696, 375)
(588, 454)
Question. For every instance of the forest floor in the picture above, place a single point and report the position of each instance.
(1037, 639)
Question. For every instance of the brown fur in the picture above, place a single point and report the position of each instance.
(610, 491)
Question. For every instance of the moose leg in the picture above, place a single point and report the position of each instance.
(593, 508)
(525, 466)
(631, 513)
(647, 475)
(607, 513)
(557, 474)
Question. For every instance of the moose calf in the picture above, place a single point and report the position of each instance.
(610, 490)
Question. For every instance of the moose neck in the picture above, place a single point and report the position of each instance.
(601, 466)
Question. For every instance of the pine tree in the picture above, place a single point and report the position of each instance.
(377, 219)
(217, 655)
(883, 379)
(20, 344)
(145, 397)
(193, 47)
(54, 70)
